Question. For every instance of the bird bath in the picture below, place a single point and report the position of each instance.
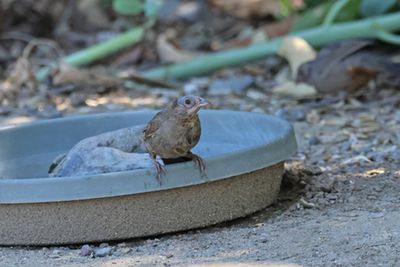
(244, 154)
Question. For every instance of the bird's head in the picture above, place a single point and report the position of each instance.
(190, 104)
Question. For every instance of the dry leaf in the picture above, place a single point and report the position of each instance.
(168, 53)
(68, 74)
(22, 74)
(298, 91)
(21, 79)
(350, 65)
(279, 28)
(297, 52)
(95, 15)
(250, 8)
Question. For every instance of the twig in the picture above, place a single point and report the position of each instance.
(37, 42)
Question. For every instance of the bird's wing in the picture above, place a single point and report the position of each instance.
(153, 125)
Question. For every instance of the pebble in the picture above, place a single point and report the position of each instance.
(236, 84)
(125, 250)
(323, 182)
(196, 86)
(102, 252)
(122, 245)
(295, 114)
(55, 254)
(314, 140)
(189, 11)
(103, 245)
(49, 112)
(86, 250)
(397, 116)
(376, 215)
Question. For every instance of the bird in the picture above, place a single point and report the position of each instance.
(174, 131)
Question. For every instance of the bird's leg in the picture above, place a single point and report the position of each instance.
(160, 169)
(198, 161)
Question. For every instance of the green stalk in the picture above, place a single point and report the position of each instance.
(334, 11)
(102, 50)
(370, 27)
(389, 37)
(99, 51)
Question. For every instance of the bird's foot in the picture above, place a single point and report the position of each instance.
(198, 161)
(160, 170)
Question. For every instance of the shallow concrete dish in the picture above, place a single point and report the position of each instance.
(244, 153)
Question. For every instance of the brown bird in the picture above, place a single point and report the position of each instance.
(173, 132)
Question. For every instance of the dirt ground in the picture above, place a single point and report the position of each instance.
(339, 201)
(338, 206)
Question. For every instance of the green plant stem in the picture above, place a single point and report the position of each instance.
(318, 36)
(99, 51)
(389, 37)
(102, 50)
(334, 11)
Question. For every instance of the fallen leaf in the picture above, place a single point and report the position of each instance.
(68, 74)
(94, 13)
(22, 74)
(350, 65)
(249, 9)
(21, 78)
(279, 28)
(298, 91)
(296, 51)
(168, 53)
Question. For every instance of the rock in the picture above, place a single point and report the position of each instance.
(299, 175)
(121, 245)
(295, 90)
(196, 86)
(102, 252)
(49, 112)
(103, 245)
(86, 250)
(256, 95)
(190, 11)
(114, 151)
(396, 155)
(314, 140)
(55, 254)
(125, 250)
(323, 182)
(236, 85)
(294, 114)
(360, 159)
(397, 116)
(376, 215)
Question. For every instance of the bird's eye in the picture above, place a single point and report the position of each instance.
(188, 102)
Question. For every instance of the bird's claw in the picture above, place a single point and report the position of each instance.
(160, 170)
(199, 163)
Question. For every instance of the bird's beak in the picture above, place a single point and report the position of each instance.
(203, 103)
(200, 104)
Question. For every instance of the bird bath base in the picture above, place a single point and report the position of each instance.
(139, 214)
